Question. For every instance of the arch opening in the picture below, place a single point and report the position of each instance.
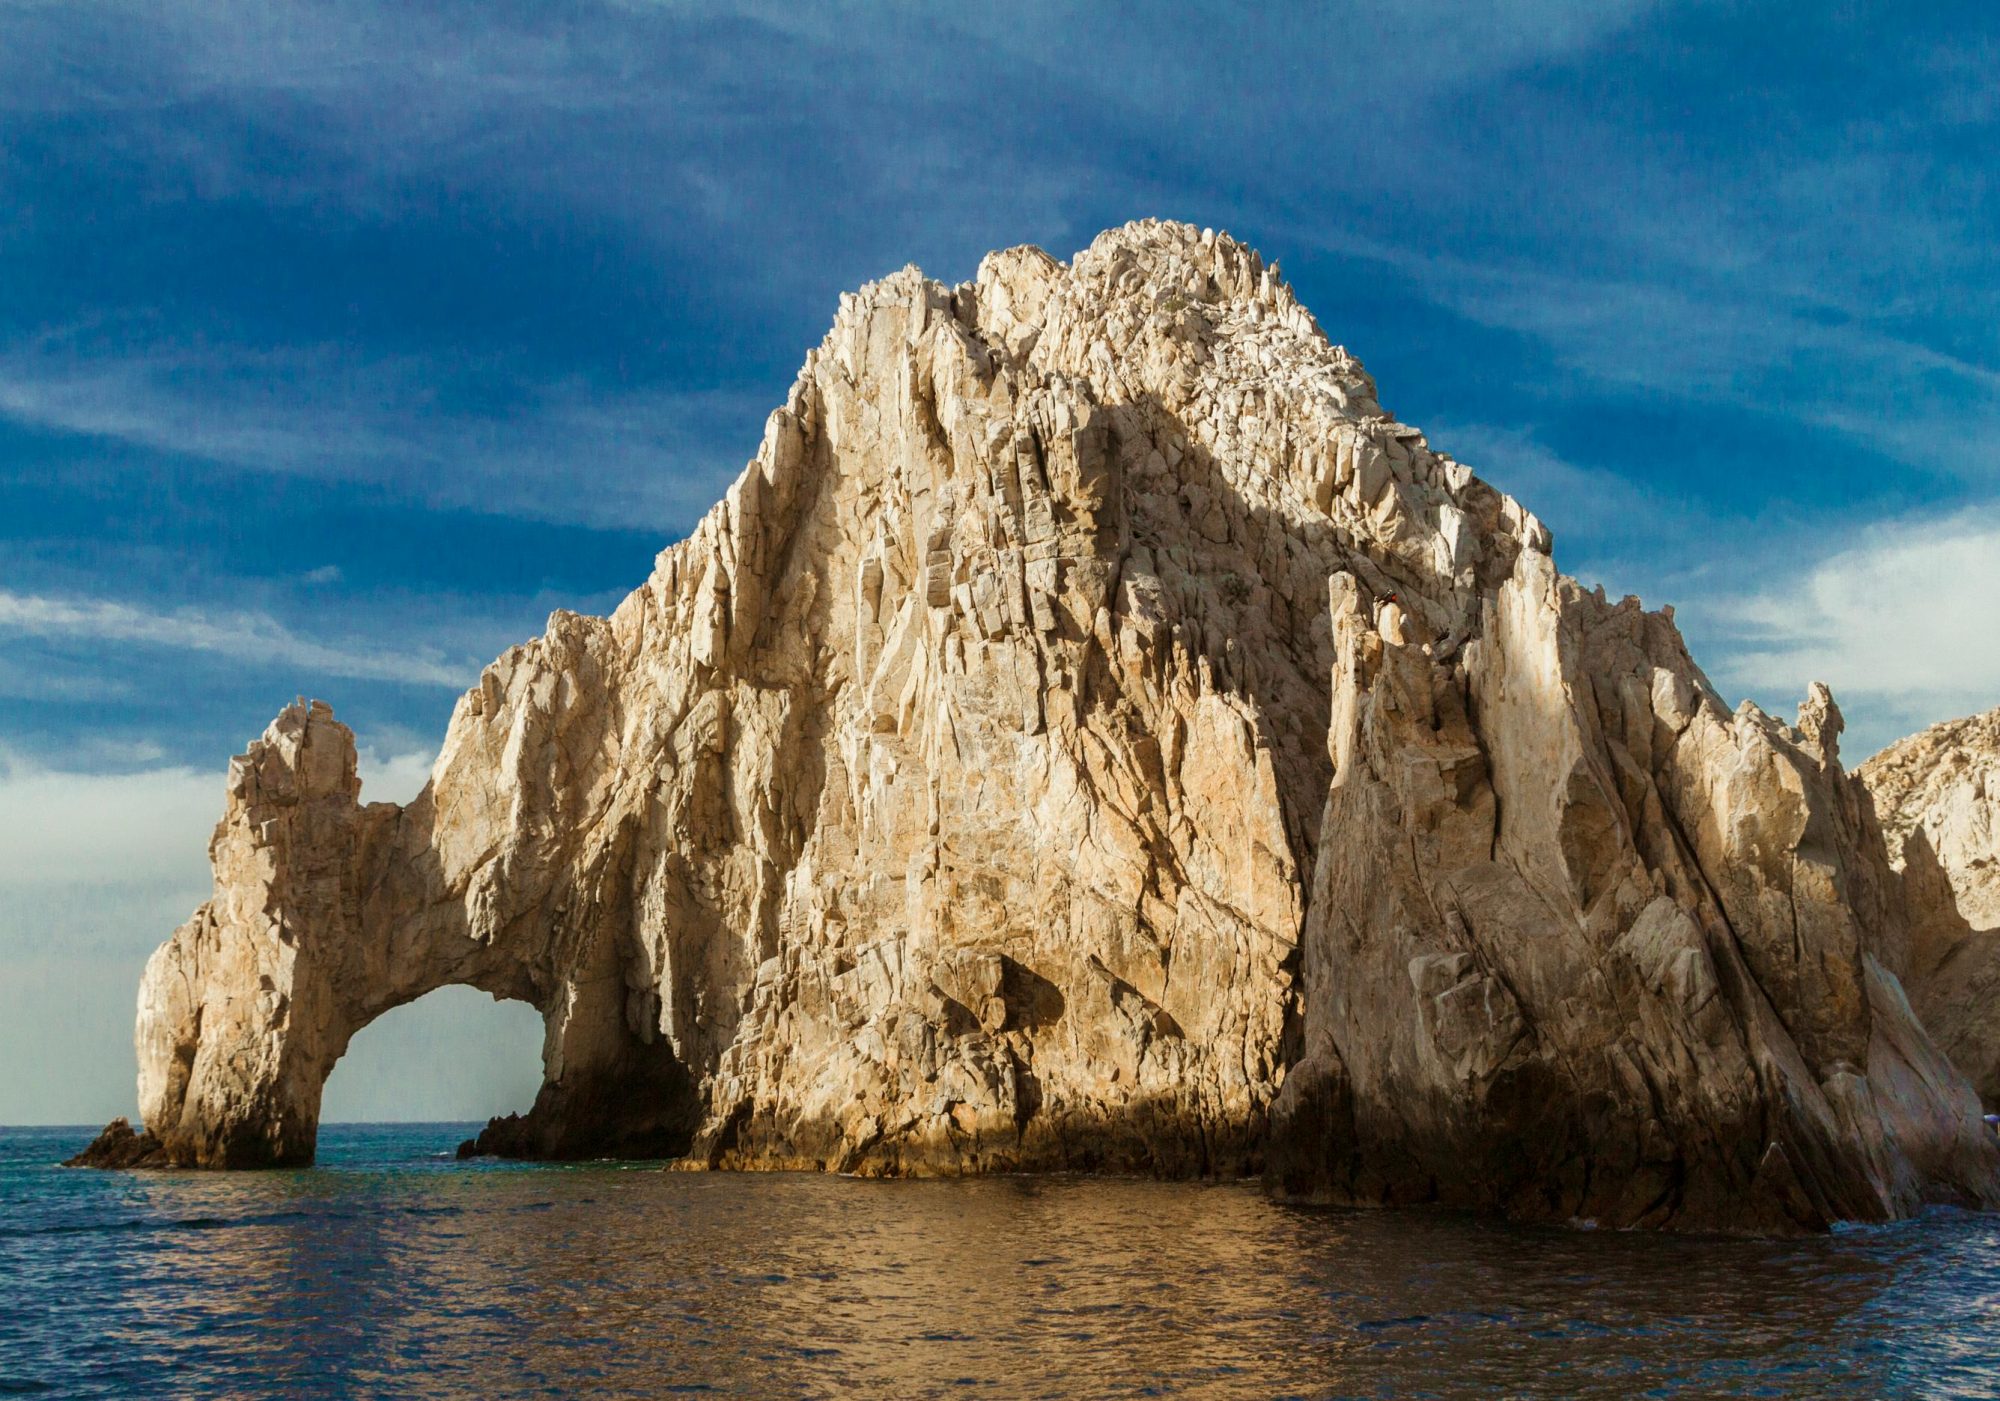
(454, 1057)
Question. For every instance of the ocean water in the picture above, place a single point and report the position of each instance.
(391, 1269)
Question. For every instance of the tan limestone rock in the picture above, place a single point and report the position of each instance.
(1937, 794)
(1092, 733)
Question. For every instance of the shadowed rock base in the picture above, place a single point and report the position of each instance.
(644, 1110)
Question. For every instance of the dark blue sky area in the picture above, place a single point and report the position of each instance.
(402, 321)
(340, 342)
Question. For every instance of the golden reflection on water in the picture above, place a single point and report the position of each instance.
(432, 1279)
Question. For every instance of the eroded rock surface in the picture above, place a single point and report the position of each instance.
(1092, 733)
(1938, 797)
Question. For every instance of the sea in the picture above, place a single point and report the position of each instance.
(392, 1269)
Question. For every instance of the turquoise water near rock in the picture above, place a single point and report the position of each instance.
(392, 1269)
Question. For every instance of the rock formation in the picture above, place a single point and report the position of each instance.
(1092, 733)
(1938, 797)
(122, 1146)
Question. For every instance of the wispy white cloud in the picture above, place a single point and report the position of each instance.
(1899, 621)
(562, 451)
(1387, 47)
(242, 636)
(1592, 507)
(293, 47)
(1907, 400)
(22, 681)
(1747, 339)
(394, 776)
(645, 116)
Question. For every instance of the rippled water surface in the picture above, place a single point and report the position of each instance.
(392, 1270)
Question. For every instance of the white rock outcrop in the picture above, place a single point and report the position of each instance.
(1938, 797)
(1092, 733)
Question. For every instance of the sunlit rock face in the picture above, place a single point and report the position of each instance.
(1093, 734)
(1938, 795)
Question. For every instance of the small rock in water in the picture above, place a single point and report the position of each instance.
(119, 1146)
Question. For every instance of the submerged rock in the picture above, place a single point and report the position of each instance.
(1094, 734)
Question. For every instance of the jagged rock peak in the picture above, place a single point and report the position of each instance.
(1942, 786)
(1938, 795)
(1092, 733)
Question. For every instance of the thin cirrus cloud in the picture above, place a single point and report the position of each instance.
(615, 114)
(1923, 406)
(1746, 338)
(884, 148)
(1598, 504)
(563, 452)
(641, 120)
(241, 636)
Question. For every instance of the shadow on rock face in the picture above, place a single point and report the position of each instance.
(643, 1107)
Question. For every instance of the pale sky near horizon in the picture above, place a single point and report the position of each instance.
(340, 342)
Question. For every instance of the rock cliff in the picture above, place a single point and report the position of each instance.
(1093, 734)
(1938, 796)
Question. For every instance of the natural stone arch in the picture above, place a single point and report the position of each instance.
(326, 915)
(1091, 629)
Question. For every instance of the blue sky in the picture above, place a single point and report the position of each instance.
(341, 342)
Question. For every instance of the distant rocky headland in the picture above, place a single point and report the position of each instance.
(1092, 734)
